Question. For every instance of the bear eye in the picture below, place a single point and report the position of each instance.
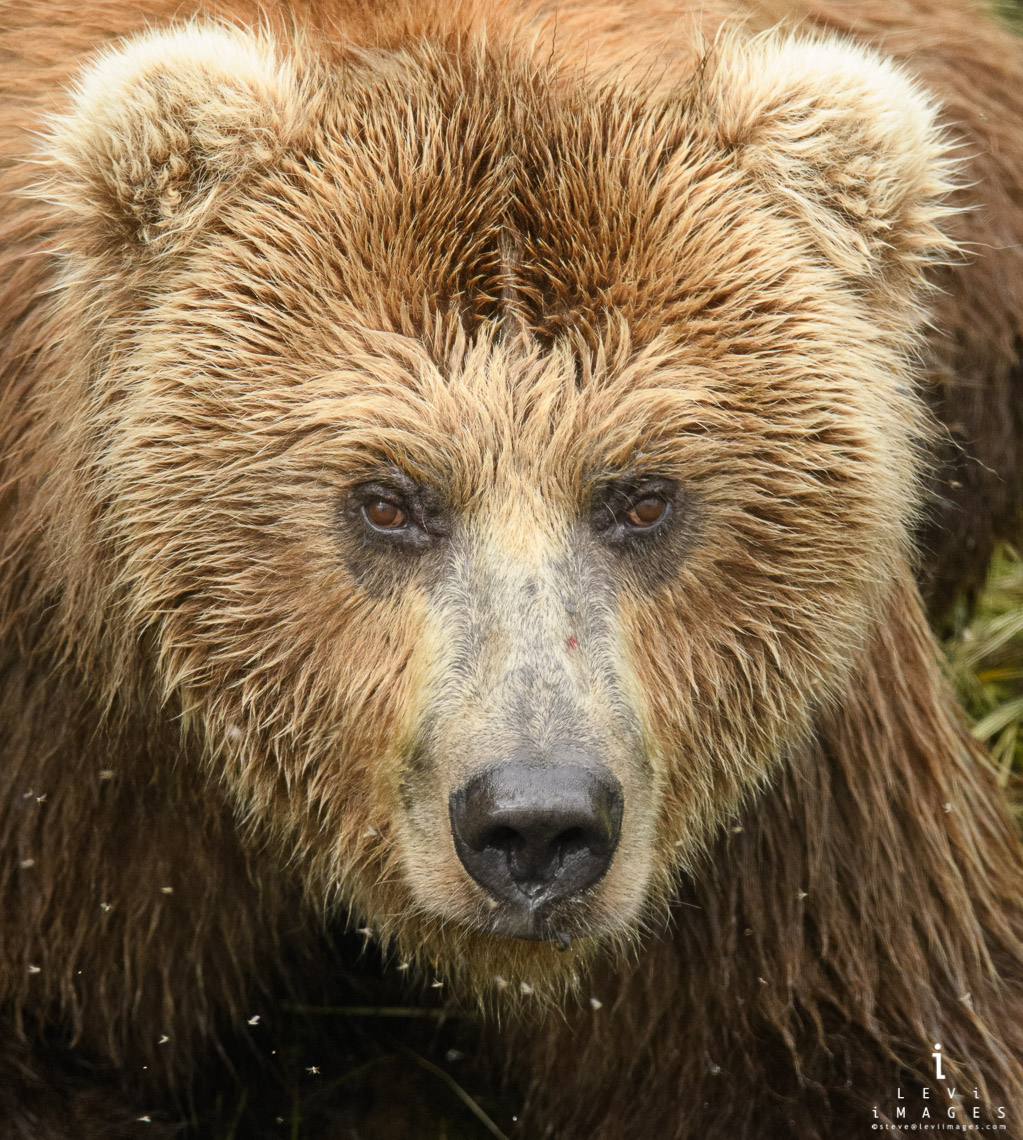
(647, 512)
(384, 515)
(628, 511)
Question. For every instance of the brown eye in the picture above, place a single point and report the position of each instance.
(384, 515)
(647, 512)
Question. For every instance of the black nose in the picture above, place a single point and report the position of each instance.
(531, 835)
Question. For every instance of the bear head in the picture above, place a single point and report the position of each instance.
(496, 470)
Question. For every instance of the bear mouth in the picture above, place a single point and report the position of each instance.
(534, 923)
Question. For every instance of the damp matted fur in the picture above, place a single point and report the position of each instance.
(251, 265)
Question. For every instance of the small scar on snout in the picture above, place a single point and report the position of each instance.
(571, 644)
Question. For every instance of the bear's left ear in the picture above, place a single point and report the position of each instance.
(160, 128)
(842, 140)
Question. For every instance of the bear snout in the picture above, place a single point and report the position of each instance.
(532, 836)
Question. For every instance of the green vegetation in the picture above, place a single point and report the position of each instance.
(1010, 10)
(986, 665)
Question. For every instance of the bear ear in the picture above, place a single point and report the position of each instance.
(843, 141)
(160, 127)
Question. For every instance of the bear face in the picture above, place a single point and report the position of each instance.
(443, 423)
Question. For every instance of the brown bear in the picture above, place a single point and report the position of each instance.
(460, 472)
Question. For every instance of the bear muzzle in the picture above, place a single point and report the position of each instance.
(536, 836)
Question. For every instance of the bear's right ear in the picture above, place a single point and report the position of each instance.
(160, 128)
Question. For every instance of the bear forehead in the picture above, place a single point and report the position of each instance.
(481, 189)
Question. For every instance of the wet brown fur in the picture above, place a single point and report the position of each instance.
(188, 647)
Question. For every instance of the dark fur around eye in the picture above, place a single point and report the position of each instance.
(388, 524)
(635, 510)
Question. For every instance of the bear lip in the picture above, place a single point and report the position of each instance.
(525, 923)
(533, 921)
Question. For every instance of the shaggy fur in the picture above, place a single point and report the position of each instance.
(513, 268)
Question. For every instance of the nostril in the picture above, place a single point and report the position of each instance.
(502, 837)
(572, 841)
(565, 843)
(502, 841)
(534, 854)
